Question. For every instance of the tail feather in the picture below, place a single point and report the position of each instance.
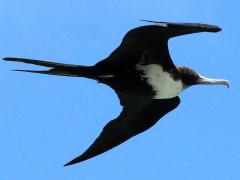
(59, 69)
(50, 72)
(39, 62)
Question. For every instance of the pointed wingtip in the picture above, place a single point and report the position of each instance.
(68, 164)
(207, 27)
(214, 28)
(74, 161)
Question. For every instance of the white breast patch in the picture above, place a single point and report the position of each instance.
(161, 81)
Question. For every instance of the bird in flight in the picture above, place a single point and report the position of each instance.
(142, 74)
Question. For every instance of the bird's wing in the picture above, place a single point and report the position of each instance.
(149, 44)
(178, 29)
(134, 119)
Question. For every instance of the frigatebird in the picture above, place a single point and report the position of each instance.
(142, 74)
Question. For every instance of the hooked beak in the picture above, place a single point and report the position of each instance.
(204, 80)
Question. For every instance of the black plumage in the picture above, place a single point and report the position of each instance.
(142, 107)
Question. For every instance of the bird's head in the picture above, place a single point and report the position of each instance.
(189, 77)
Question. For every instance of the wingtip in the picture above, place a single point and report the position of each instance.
(218, 29)
(207, 27)
(74, 161)
(215, 28)
(78, 159)
(68, 164)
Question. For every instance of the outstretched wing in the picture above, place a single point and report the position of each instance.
(149, 44)
(134, 119)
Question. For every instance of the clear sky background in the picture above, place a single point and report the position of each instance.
(45, 121)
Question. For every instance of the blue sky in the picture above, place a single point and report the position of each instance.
(46, 121)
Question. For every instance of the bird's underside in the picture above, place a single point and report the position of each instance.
(143, 47)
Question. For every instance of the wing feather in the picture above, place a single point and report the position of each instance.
(149, 44)
(133, 120)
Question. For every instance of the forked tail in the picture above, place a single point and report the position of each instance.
(59, 69)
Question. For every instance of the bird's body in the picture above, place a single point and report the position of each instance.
(144, 77)
(162, 82)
